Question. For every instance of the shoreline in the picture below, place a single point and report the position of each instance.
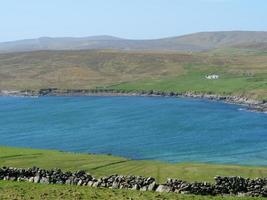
(250, 104)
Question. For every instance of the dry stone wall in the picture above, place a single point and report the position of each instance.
(222, 186)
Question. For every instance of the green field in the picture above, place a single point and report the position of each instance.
(242, 72)
(101, 165)
(193, 81)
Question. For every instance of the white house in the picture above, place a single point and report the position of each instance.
(212, 76)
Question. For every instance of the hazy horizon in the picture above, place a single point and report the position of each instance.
(149, 19)
(103, 35)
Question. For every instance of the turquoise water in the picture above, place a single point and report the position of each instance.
(158, 128)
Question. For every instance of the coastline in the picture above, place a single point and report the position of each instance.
(250, 104)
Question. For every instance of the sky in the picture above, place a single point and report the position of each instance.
(133, 19)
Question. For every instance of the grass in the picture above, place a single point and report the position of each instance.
(241, 72)
(101, 165)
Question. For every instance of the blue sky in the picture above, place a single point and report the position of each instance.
(134, 19)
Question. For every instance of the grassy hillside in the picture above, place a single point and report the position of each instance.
(241, 71)
(84, 69)
(100, 165)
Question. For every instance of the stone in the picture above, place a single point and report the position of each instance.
(184, 192)
(152, 186)
(13, 178)
(144, 188)
(242, 194)
(31, 179)
(44, 180)
(163, 188)
(135, 187)
(75, 181)
(80, 182)
(36, 179)
(60, 182)
(20, 179)
(96, 184)
(90, 183)
(85, 183)
(115, 185)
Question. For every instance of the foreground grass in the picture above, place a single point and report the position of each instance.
(101, 165)
(15, 190)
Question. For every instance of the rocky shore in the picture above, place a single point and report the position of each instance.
(223, 185)
(250, 104)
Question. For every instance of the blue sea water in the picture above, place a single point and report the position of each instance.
(156, 128)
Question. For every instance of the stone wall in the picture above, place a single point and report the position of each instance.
(222, 186)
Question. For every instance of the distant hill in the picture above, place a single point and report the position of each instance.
(193, 42)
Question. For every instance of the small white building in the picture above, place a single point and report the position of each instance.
(212, 76)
